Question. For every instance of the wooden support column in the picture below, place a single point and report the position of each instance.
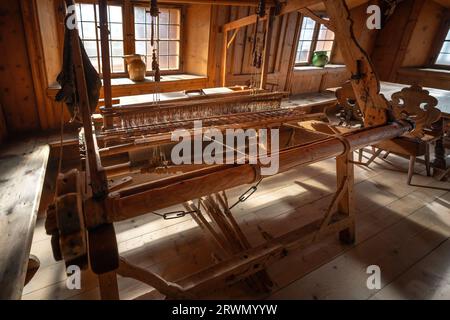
(223, 72)
(346, 206)
(365, 81)
(106, 67)
(97, 176)
(266, 53)
(109, 289)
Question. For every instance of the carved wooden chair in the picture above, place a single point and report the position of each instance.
(346, 113)
(416, 104)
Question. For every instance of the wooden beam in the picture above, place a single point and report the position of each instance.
(244, 3)
(327, 23)
(106, 68)
(135, 201)
(296, 5)
(243, 22)
(232, 38)
(109, 289)
(266, 53)
(223, 65)
(97, 175)
(365, 81)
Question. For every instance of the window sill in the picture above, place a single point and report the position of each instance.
(169, 83)
(432, 71)
(328, 67)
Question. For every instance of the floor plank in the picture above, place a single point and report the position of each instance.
(390, 214)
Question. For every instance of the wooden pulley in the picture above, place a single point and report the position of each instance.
(65, 221)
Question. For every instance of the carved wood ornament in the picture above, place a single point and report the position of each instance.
(417, 105)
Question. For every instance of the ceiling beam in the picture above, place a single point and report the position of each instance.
(327, 23)
(246, 3)
(296, 5)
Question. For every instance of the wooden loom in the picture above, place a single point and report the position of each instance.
(90, 201)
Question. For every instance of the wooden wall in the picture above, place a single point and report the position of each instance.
(403, 48)
(196, 39)
(3, 128)
(17, 96)
(282, 75)
(283, 44)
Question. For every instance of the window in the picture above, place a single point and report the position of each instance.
(167, 36)
(88, 26)
(138, 26)
(444, 54)
(313, 37)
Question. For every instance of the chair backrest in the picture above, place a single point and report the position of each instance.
(417, 105)
(346, 112)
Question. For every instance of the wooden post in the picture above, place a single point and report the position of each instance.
(223, 74)
(97, 176)
(106, 67)
(365, 81)
(345, 170)
(109, 289)
(266, 53)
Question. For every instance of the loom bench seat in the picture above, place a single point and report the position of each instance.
(22, 171)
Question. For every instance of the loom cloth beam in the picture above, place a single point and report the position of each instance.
(138, 200)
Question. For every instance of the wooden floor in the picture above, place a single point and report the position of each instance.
(405, 230)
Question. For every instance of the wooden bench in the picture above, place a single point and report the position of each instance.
(23, 166)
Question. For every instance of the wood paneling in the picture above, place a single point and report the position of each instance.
(407, 40)
(422, 38)
(3, 129)
(17, 92)
(196, 39)
(439, 79)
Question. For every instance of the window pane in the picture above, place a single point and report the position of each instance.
(117, 65)
(88, 16)
(174, 32)
(174, 48)
(139, 15)
(448, 35)
(164, 16)
(446, 47)
(163, 47)
(173, 62)
(91, 48)
(116, 31)
(140, 47)
(87, 12)
(164, 32)
(325, 34)
(117, 48)
(164, 62)
(115, 14)
(139, 31)
(89, 30)
(175, 16)
(444, 58)
(322, 38)
(167, 38)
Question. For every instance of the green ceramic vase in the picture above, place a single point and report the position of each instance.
(320, 59)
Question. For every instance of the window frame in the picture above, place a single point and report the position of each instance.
(440, 39)
(128, 29)
(132, 35)
(315, 39)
